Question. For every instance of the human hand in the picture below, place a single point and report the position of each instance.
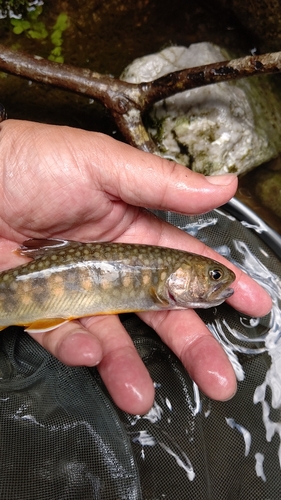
(72, 184)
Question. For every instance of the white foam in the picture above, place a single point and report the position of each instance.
(245, 433)
(259, 466)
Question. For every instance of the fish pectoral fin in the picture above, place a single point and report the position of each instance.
(36, 247)
(45, 325)
(158, 298)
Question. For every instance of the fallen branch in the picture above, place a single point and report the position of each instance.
(126, 101)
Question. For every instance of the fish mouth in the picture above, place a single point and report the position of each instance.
(216, 301)
(225, 294)
(216, 298)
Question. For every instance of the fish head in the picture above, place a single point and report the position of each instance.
(199, 282)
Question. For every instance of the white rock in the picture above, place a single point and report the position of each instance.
(224, 127)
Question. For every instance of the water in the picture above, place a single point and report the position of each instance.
(243, 338)
(249, 343)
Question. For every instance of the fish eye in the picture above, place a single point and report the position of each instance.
(215, 274)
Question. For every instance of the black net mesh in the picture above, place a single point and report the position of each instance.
(62, 437)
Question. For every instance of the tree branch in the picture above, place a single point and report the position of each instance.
(127, 101)
(208, 74)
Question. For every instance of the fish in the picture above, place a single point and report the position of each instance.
(66, 280)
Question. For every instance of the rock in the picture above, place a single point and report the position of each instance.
(224, 127)
(268, 188)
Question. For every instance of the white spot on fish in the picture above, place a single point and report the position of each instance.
(163, 276)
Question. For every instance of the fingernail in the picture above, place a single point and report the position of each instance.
(230, 397)
(221, 180)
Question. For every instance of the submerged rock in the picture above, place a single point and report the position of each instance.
(219, 128)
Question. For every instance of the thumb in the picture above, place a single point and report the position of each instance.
(147, 180)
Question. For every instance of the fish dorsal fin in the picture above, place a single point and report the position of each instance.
(45, 325)
(36, 247)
